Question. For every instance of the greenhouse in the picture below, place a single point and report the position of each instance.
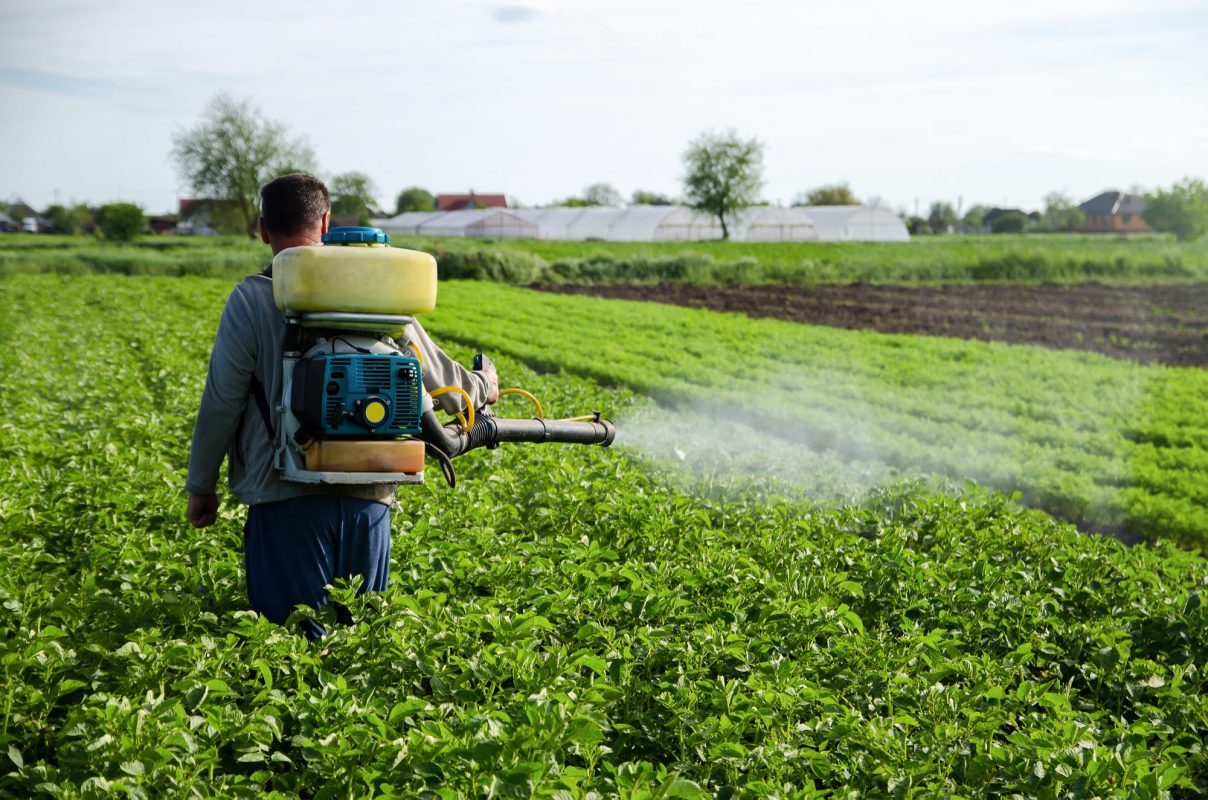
(656, 224)
(484, 223)
(856, 224)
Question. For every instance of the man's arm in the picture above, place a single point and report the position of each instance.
(441, 370)
(232, 364)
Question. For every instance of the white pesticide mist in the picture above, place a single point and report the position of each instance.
(720, 453)
(839, 455)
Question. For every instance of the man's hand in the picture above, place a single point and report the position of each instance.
(203, 509)
(492, 377)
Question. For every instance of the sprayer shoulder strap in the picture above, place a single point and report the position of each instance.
(262, 404)
(257, 388)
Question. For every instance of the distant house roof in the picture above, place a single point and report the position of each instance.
(20, 209)
(1113, 202)
(459, 202)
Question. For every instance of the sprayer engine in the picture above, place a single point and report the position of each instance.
(357, 395)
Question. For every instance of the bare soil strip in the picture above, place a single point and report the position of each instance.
(1147, 324)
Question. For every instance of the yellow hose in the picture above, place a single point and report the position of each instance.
(529, 395)
(583, 418)
(467, 423)
(418, 355)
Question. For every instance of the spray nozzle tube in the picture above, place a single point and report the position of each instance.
(489, 431)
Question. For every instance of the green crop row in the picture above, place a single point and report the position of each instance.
(564, 624)
(1108, 444)
(963, 259)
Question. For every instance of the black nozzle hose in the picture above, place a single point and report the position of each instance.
(489, 431)
(600, 431)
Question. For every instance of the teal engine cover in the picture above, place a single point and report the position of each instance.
(357, 395)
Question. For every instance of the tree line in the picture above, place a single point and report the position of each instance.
(233, 150)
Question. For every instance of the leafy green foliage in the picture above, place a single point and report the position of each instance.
(233, 151)
(837, 194)
(1111, 444)
(562, 624)
(1010, 222)
(414, 199)
(1061, 213)
(353, 196)
(121, 222)
(941, 217)
(723, 174)
(644, 197)
(602, 194)
(1181, 210)
(1024, 259)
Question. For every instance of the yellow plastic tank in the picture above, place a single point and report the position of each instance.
(354, 278)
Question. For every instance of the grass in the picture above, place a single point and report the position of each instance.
(949, 259)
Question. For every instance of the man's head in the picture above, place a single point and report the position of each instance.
(294, 210)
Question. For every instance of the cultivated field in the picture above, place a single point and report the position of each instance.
(769, 588)
(1162, 324)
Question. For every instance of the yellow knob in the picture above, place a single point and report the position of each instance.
(374, 412)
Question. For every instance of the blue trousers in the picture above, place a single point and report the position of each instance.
(294, 548)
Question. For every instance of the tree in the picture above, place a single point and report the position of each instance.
(1010, 222)
(233, 151)
(915, 226)
(602, 194)
(62, 218)
(352, 193)
(941, 218)
(1061, 213)
(641, 197)
(414, 198)
(121, 222)
(1183, 210)
(975, 217)
(724, 174)
(835, 194)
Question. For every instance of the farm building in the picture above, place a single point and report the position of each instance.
(656, 224)
(463, 202)
(486, 223)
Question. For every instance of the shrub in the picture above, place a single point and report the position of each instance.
(512, 267)
(121, 222)
(1011, 222)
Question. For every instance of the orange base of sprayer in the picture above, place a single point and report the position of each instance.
(389, 455)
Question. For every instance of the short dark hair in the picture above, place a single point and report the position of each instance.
(293, 203)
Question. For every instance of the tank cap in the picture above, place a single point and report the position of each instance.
(356, 235)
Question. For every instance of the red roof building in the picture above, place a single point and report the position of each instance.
(461, 202)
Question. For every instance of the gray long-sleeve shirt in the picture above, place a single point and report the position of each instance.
(249, 343)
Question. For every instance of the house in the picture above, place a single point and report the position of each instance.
(462, 202)
(25, 217)
(1114, 212)
(162, 223)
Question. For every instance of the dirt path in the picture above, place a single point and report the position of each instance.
(1148, 324)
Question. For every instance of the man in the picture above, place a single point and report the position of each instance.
(298, 537)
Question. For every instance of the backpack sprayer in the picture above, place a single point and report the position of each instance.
(354, 408)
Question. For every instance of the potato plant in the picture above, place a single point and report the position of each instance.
(567, 623)
(1110, 445)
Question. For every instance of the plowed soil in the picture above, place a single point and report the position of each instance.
(1148, 324)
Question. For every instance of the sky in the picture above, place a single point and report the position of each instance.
(993, 103)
